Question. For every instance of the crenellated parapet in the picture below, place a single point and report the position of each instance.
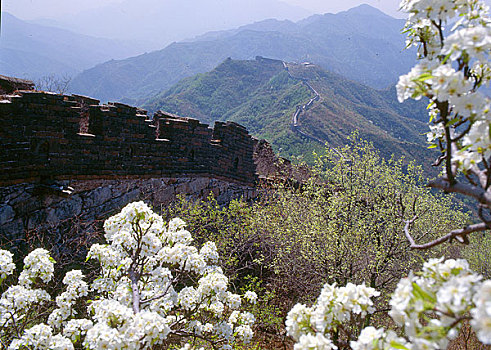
(49, 137)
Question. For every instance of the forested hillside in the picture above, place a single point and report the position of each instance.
(263, 95)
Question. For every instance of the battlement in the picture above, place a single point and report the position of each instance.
(9, 84)
(48, 137)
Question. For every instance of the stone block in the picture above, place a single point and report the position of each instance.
(7, 214)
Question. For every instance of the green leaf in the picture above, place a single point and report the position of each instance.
(419, 292)
(396, 345)
(453, 121)
(447, 57)
(432, 146)
(423, 77)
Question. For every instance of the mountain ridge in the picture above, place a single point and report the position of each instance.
(267, 102)
(371, 53)
(27, 49)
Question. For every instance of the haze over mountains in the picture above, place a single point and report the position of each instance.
(161, 22)
(31, 51)
(362, 44)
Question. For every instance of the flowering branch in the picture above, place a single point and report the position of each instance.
(454, 64)
(154, 287)
(443, 294)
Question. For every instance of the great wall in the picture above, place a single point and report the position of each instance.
(70, 157)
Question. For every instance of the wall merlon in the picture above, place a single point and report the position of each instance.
(83, 100)
(51, 136)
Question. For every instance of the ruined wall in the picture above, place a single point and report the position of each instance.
(46, 137)
(30, 211)
(10, 84)
(68, 162)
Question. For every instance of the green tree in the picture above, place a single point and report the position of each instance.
(346, 224)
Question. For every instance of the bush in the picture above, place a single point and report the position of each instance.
(154, 290)
(344, 225)
(347, 223)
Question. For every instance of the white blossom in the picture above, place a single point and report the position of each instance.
(135, 304)
(6, 264)
(481, 314)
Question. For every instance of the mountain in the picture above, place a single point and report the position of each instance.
(263, 95)
(162, 22)
(31, 51)
(362, 44)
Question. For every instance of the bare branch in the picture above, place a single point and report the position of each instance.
(54, 83)
(460, 234)
(483, 197)
(439, 160)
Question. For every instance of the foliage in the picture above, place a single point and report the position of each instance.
(478, 254)
(345, 225)
(246, 253)
(154, 289)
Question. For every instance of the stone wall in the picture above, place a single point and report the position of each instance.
(32, 209)
(68, 163)
(8, 84)
(48, 137)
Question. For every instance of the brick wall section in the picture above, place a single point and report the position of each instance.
(9, 84)
(45, 136)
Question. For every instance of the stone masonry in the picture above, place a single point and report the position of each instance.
(66, 158)
(47, 137)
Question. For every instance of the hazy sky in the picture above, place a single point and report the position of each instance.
(31, 9)
(34, 9)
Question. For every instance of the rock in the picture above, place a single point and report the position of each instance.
(97, 197)
(64, 210)
(7, 214)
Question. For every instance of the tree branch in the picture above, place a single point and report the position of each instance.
(134, 289)
(459, 233)
(483, 197)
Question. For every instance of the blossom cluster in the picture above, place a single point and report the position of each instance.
(144, 295)
(441, 295)
(7, 266)
(311, 326)
(454, 65)
(19, 300)
(428, 306)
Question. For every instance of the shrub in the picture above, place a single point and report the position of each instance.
(154, 290)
